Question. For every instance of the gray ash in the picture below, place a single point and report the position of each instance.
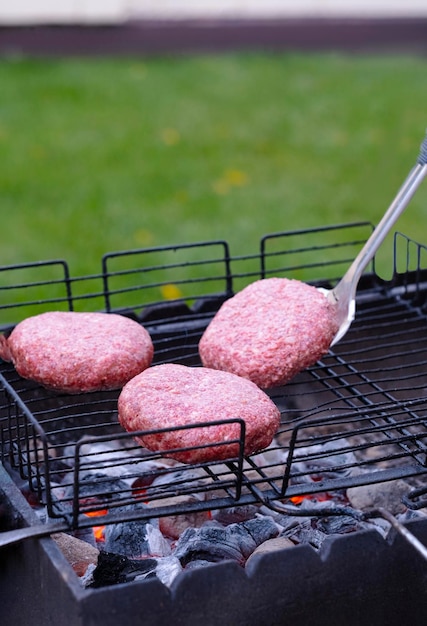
(216, 543)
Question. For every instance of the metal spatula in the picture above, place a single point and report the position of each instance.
(343, 295)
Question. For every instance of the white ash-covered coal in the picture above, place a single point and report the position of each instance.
(213, 542)
(116, 479)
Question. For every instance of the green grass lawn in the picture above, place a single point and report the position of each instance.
(99, 155)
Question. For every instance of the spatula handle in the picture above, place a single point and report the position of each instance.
(399, 204)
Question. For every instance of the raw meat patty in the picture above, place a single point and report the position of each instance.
(269, 331)
(170, 395)
(78, 352)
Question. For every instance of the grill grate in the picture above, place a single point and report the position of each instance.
(356, 417)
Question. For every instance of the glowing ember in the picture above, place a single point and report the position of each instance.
(319, 497)
(98, 531)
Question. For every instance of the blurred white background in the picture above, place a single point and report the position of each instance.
(111, 11)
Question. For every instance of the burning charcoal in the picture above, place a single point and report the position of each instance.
(96, 488)
(216, 543)
(174, 525)
(338, 524)
(210, 544)
(78, 553)
(135, 539)
(197, 563)
(312, 536)
(181, 476)
(180, 483)
(387, 495)
(314, 528)
(235, 514)
(329, 460)
(290, 523)
(301, 530)
(112, 460)
(157, 544)
(113, 569)
(87, 579)
(379, 524)
(167, 569)
(272, 462)
(271, 545)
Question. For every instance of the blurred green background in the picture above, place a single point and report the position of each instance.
(99, 155)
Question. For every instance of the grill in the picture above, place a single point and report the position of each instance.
(356, 417)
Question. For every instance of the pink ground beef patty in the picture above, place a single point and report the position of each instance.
(270, 331)
(78, 352)
(170, 395)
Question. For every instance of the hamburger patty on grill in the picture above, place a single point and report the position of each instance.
(171, 395)
(269, 331)
(78, 352)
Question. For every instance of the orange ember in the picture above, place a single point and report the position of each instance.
(139, 493)
(98, 531)
(297, 499)
(97, 513)
(140, 486)
(320, 497)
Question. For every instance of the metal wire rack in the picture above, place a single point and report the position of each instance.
(356, 417)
